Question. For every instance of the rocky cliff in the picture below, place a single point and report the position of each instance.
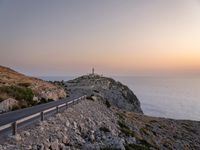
(111, 91)
(26, 90)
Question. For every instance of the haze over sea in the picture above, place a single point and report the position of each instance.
(169, 97)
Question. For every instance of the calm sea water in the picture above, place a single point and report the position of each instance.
(173, 97)
(168, 97)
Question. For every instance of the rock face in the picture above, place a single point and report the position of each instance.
(17, 81)
(7, 104)
(110, 90)
(91, 125)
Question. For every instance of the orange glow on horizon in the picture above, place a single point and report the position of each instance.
(114, 37)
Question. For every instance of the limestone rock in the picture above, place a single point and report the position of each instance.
(114, 142)
(16, 137)
(90, 146)
(55, 145)
(103, 127)
(40, 147)
(26, 133)
(7, 104)
(55, 94)
(99, 87)
(130, 140)
(65, 139)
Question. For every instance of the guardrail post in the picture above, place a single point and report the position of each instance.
(14, 125)
(57, 109)
(14, 128)
(42, 116)
(66, 105)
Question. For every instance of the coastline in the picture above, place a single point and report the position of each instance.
(151, 100)
(109, 117)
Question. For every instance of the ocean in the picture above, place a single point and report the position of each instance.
(168, 97)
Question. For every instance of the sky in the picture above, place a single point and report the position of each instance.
(116, 37)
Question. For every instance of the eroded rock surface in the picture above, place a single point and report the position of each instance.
(7, 104)
(110, 90)
(91, 125)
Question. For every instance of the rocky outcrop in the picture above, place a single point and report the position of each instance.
(91, 125)
(11, 81)
(110, 90)
(8, 104)
(53, 94)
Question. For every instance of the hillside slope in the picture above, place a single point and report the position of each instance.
(91, 125)
(24, 90)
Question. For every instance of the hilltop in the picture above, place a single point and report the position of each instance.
(110, 91)
(18, 90)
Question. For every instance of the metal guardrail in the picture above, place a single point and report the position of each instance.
(14, 125)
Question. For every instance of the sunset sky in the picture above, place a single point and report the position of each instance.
(117, 37)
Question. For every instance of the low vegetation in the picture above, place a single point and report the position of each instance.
(22, 94)
(145, 144)
(3, 96)
(125, 129)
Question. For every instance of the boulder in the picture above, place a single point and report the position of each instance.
(8, 104)
(55, 145)
(65, 139)
(54, 94)
(90, 146)
(130, 140)
(115, 142)
(16, 137)
(26, 133)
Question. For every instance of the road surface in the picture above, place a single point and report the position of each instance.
(22, 113)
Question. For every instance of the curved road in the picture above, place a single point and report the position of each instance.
(13, 116)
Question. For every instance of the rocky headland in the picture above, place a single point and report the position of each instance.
(111, 91)
(109, 119)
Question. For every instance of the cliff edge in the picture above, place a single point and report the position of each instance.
(111, 91)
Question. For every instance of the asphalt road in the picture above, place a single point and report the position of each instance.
(22, 113)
